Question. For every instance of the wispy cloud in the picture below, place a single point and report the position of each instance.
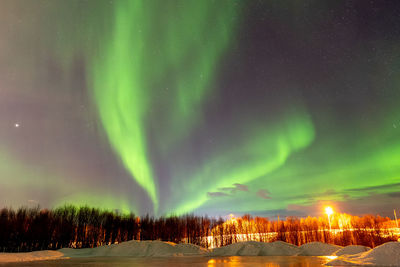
(373, 188)
(235, 187)
(263, 193)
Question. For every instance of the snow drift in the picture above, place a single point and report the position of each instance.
(253, 248)
(318, 249)
(136, 248)
(351, 250)
(30, 256)
(132, 248)
(387, 254)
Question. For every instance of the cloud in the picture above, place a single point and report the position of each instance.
(241, 187)
(394, 194)
(373, 188)
(228, 191)
(263, 193)
(313, 196)
(235, 187)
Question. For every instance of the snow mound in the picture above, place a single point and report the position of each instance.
(132, 248)
(253, 248)
(387, 254)
(30, 256)
(351, 250)
(136, 248)
(318, 249)
(190, 249)
(279, 248)
(249, 248)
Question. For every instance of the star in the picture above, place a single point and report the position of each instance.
(16, 125)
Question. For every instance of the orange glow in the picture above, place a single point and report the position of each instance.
(329, 211)
(330, 257)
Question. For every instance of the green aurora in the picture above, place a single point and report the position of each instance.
(136, 62)
(201, 106)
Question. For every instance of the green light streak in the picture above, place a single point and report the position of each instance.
(30, 177)
(154, 43)
(256, 156)
(121, 97)
(153, 69)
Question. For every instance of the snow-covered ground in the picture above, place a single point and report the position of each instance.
(253, 248)
(126, 249)
(136, 248)
(387, 254)
(351, 250)
(318, 249)
(31, 256)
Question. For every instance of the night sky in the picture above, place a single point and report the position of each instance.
(211, 107)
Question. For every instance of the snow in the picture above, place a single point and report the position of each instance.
(387, 254)
(30, 256)
(253, 248)
(132, 248)
(279, 248)
(318, 249)
(136, 248)
(351, 250)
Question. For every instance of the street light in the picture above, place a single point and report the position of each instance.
(329, 212)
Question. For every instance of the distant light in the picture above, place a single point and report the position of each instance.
(16, 125)
(330, 257)
(329, 211)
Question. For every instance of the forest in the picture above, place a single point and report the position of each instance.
(30, 229)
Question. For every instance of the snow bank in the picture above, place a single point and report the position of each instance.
(387, 254)
(136, 248)
(190, 249)
(318, 249)
(132, 248)
(279, 248)
(253, 248)
(351, 250)
(30, 256)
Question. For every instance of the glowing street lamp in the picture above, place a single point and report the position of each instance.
(329, 212)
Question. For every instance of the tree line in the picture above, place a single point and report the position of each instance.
(340, 229)
(30, 229)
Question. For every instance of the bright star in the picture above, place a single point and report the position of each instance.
(16, 125)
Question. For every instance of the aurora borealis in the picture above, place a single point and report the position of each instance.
(211, 107)
(135, 64)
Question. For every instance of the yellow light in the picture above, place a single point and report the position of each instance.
(328, 211)
(330, 257)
